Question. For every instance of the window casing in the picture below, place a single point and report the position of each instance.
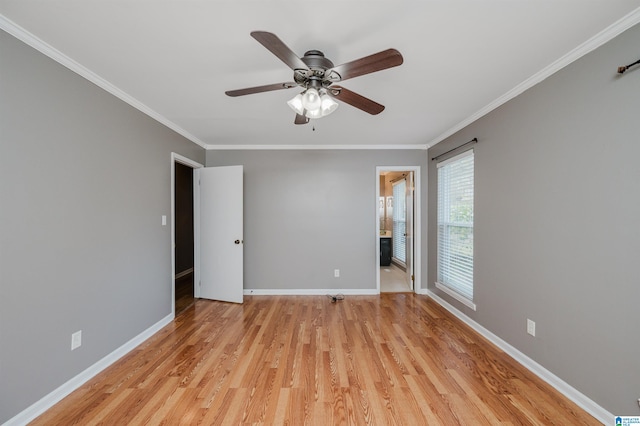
(455, 227)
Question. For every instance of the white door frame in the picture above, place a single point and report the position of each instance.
(417, 219)
(177, 158)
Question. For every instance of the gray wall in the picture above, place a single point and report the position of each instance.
(84, 181)
(309, 212)
(556, 233)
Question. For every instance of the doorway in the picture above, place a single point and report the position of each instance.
(183, 233)
(398, 229)
(184, 237)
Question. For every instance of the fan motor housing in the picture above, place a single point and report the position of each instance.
(315, 60)
(315, 76)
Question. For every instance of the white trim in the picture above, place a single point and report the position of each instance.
(417, 223)
(310, 292)
(460, 298)
(422, 147)
(177, 158)
(593, 43)
(48, 401)
(560, 385)
(53, 53)
(186, 161)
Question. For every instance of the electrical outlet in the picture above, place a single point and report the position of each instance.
(531, 327)
(336, 273)
(76, 340)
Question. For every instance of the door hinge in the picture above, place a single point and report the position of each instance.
(413, 278)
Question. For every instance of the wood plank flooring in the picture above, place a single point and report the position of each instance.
(397, 358)
(184, 293)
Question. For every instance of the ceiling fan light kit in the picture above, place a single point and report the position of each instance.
(313, 103)
(296, 104)
(316, 75)
(328, 104)
(311, 99)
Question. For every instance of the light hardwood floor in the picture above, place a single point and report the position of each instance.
(394, 359)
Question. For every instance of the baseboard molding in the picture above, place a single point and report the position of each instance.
(567, 390)
(310, 292)
(560, 385)
(183, 273)
(55, 396)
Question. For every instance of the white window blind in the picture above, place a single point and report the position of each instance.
(455, 225)
(399, 237)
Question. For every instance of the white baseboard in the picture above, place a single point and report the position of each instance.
(560, 385)
(310, 292)
(55, 396)
(567, 390)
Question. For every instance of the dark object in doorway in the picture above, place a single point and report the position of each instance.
(386, 250)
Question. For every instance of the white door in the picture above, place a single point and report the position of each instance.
(221, 239)
(409, 229)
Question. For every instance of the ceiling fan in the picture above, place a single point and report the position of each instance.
(317, 76)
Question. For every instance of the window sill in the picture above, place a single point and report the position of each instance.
(460, 298)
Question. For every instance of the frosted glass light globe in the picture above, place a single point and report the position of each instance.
(313, 113)
(328, 105)
(296, 104)
(311, 100)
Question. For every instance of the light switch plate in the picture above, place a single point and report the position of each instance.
(76, 340)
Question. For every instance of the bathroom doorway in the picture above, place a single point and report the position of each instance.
(397, 229)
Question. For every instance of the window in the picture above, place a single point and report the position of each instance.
(399, 236)
(455, 227)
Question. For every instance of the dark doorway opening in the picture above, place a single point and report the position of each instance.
(184, 236)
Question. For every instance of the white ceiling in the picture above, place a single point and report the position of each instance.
(174, 59)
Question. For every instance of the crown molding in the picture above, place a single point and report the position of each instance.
(53, 53)
(421, 147)
(593, 43)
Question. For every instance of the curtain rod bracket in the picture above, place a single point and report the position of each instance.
(474, 140)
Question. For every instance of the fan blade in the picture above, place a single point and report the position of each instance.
(353, 99)
(278, 48)
(301, 119)
(377, 62)
(260, 89)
